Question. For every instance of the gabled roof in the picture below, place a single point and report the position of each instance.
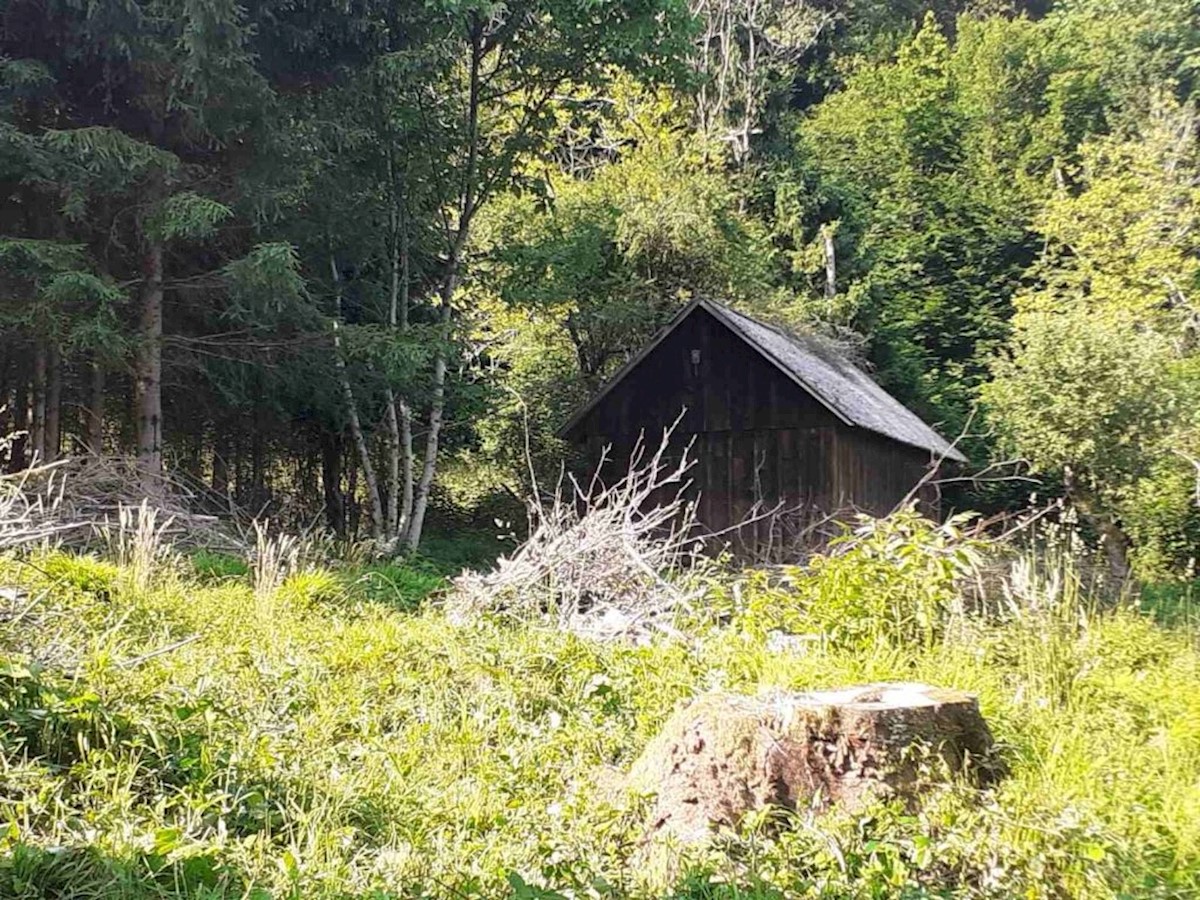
(843, 388)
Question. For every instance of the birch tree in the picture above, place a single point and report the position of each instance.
(478, 97)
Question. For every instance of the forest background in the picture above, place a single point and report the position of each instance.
(332, 260)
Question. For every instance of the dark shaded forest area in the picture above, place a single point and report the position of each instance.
(331, 260)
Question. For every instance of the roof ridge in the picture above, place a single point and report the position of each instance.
(794, 335)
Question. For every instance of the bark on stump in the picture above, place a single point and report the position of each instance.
(724, 755)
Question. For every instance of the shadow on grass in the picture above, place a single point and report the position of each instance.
(1174, 604)
(85, 873)
(406, 582)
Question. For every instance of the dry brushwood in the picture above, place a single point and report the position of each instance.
(601, 559)
(76, 498)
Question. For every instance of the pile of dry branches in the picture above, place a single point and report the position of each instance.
(601, 559)
(76, 498)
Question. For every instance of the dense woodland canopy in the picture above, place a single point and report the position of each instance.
(331, 259)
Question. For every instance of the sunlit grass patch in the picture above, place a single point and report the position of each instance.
(343, 739)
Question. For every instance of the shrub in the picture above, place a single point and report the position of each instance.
(887, 581)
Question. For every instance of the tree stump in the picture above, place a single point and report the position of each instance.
(724, 755)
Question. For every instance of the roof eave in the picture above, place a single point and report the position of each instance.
(618, 376)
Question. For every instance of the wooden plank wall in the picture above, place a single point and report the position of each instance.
(758, 437)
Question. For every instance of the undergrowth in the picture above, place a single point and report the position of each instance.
(183, 736)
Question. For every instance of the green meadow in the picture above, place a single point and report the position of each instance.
(171, 730)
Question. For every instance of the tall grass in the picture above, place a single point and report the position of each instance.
(137, 541)
(186, 739)
(274, 557)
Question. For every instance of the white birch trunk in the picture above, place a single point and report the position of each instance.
(432, 438)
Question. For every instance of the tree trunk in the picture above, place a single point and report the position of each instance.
(724, 756)
(399, 414)
(471, 199)
(331, 481)
(407, 459)
(353, 510)
(392, 423)
(195, 453)
(237, 469)
(356, 430)
(391, 420)
(53, 443)
(258, 465)
(38, 451)
(1116, 544)
(20, 420)
(95, 410)
(5, 393)
(436, 411)
(1113, 539)
(148, 368)
(220, 463)
(830, 263)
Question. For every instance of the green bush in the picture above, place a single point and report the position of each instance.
(887, 581)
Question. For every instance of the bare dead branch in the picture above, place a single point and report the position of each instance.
(73, 499)
(601, 559)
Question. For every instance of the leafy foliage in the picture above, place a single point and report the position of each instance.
(1099, 381)
(889, 582)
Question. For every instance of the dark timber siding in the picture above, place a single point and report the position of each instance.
(758, 435)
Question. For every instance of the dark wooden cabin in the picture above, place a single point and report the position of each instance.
(778, 419)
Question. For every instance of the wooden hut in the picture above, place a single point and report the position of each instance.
(778, 419)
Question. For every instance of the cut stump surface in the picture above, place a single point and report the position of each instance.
(724, 755)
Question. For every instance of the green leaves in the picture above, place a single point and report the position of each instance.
(64, 296)
(885, 583)
(1097, 384)
(1083, 391)
(20, 78)
(80, 287)
(927, 164)
(32, 257)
